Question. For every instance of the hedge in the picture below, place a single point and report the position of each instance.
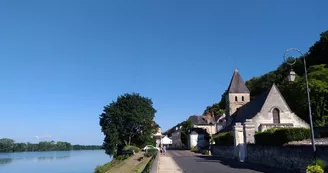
(224, 138)
(281, 136)
(130, 148)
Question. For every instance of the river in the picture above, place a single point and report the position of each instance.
(79, 161)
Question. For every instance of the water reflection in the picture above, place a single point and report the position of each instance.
(6, 158)
(5, 161)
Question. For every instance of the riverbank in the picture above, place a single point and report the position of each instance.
(135, 163)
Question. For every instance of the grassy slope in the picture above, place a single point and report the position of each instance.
(129, 165)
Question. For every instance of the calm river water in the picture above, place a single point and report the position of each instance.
(83, 161)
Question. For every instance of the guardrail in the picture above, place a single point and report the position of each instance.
(151, 167)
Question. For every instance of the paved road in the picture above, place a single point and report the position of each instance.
(196, 163)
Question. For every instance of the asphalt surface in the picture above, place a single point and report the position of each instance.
(196, 163)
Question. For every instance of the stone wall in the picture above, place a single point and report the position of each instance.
(223, 151)
(291, 157)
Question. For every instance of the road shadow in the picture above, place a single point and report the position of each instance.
(246, 165)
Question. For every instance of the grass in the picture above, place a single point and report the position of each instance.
(123, 166)
(141, 166)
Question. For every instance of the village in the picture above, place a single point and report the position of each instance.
(241, 132)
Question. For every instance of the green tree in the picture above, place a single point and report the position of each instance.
(127, 121)
(6, 145)
(186, 126)
(19, 147)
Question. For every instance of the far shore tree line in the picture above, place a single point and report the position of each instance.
(9, 145)
(295, 92)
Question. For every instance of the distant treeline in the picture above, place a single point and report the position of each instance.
(9, 145)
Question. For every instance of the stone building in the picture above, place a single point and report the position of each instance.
(245, 117)
(266, 111)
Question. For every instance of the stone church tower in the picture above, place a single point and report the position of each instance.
(237, 94)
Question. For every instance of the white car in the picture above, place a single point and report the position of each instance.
(147, 147)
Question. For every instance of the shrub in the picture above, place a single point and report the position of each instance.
(122, 157)
(194, 149)
(225, 138)
(205, 152)
(152, 151)
(320, 163)
(314, 169)
(131, 147)
(281, 136)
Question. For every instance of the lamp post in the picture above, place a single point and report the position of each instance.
(291, 78)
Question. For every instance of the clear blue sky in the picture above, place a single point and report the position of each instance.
(61, 61)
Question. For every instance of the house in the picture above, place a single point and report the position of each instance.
(202, 127)
(206, 122)
(266, 111)
(176, 138)
(198, 137)
(166, 141)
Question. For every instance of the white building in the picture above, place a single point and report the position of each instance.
(166, 141)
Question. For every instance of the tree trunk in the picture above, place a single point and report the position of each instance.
(129, 140)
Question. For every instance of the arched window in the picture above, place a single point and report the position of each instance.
(276, 116)
(236, 99)
(242, 98)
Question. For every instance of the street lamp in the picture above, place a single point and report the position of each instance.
(291, 78)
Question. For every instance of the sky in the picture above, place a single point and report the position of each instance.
(62, 61)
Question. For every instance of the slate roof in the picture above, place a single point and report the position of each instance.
(237, 84)
(201, 120)
(198, 131)
(248, 111)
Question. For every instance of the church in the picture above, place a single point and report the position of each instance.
(268, 110)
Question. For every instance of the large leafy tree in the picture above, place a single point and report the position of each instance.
(126, 121)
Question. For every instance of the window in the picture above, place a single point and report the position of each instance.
(276, 116)
(242, 98)
(236, 99)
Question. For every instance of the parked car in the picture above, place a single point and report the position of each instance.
(147, 147)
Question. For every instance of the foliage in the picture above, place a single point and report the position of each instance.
(106, 167)
(150, 164)
(295, 92)
(103, 168)
(9, 145)
(320, 163)
(6, 145)
(282, 136)
(186, 126)
(205, 152)
(194, 149)
(122, 157)
(215, 109)
(224, 138)
(314, 169)
(128, 120)
(153, 151)
(131, 148)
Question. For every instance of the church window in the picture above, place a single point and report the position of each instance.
(276, 116)
(236, 99)
(242, 98)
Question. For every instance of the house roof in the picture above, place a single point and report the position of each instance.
(249, 110)
(201, 120)
(237, 84)
(198, 131)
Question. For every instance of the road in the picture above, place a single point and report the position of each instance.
(196, 163)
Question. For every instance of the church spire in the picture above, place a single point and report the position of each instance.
(237, 84)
